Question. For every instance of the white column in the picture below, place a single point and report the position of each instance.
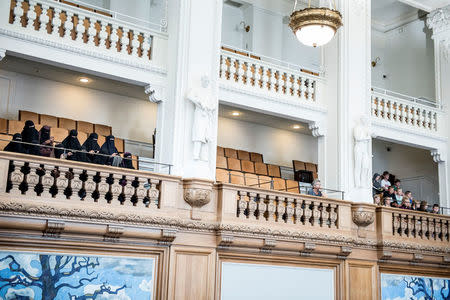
(194, 52)
(439, 157)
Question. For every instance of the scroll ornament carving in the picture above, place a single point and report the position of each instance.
(197, 197)
(363, 218)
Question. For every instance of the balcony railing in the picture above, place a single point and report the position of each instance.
(414, 113)
(71, 28)
(268, 76)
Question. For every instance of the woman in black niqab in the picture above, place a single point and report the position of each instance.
(46, 141)
(92, 147)
(15, 145)
(127, 161)
(109, 148)
(71, 142)
(30, 135)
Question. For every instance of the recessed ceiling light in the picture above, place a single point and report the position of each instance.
(235, 113)
(296, 126)
(84, 80)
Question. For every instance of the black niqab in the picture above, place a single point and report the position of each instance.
(71, 142)
(108, 148)
(30, 135)
(15, 145)
(91, 144)
(44, 134)
(127, 161)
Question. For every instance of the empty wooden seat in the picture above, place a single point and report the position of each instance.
(4, 140)
(135, 161)
(220, 151)
(82, 137)
(243, 155)
(221, 162)
(3, 125)
(231, 153)
(298, 165)
(222, 175)
(310, 167)
(233, 164)
(120, 145)
(279, 184)
(292, 186)
(59, 134)
(68, 124)
(48, 120)
(101, 140)
(15, 126)
(273, 170)
(247, 166)
(85, 126)
(256, 157)
(237, 177)
(265, 182)
(260, 168)
(251, 180)
(102, 129)
(28, 115)
(315, 175)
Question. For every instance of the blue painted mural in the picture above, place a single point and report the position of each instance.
(400, 287)
(36, 276)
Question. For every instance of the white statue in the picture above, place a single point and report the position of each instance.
(205, 106)
(362, 138)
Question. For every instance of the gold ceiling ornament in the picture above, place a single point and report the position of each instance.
(315, 26)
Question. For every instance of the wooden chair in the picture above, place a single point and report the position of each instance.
(256, 157)
(85, 126)
(220, 151)
(310, 167)
(243, 155)
(102, 129)
(298, 165)
(315, 175)
(120, 145)
(274, 171)
(237, 177)
(3, 125)
(260, 168)
(292, 186)
(59, 134)
(28, 115)
(248, 166)
(68, 124)
(233, 164)
(135, 161)
(231, 153)
(101, 140)
(221, 162)
(265, 182)
(251, 180)
(4, 140)
(82, 137)
(15, 126)
(48, 120)
(222, 176)
(279, 184)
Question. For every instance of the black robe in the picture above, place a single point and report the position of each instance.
(15, 145)
(127, 161)
(108, 148)
(44, 135)
(91, 144)
(30, 135)
(71, 142)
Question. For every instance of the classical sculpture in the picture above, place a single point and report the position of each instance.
(205, 106)
(362, 138)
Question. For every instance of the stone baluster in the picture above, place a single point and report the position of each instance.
(233, 75)
(284, 88)
(80, 29)
(432, 228)
(403, 224)
(426, 121)
(76, 184)
(302, 89)
(281, 209)
(423, 227)
(308, 212)
(262, 207)
(62, 183)
(128, 190)
(389, 110)
(48, 180)
(135, 44)
(114, 37)
(242, 205)
(258, 76)
(277, 84)
(31, 15)
(146, 45)
(272, 80)
(92, 32)
(142, 192)
(411, 113)
(223, 67)
(395, 107)
(298, 211)
(374, 105)
(378, 113)
(124, 41)
(395, 224)
(103, 188)
(44, 19)
(445, 231)
(265, 79)
(247, 73)
(252, 205)
(56, 22)
(90, 185)
(411, 222)
(315, 220)
(290, 210)
(271, 208)
(154, 193)
(68, 26)
(32, 178)
(116, 189)
(333, 215)
(103, 35)
(438, 229)
(310, 89)
(240, 72)
(296, 91)
(18, 13)
(16, 178)
(434, 121)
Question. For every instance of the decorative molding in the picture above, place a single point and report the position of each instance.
(317, 129)
(2, 54)
(197, 197)
(385, 255)
(168, 236)
(345, 252)
(268, 246)
(376, 122)
(437, 156)
(309, 248)
(53, 229)
(362, 217)
(225, 240)
(439, 20)
(446, 259)
(113, 233)
(417, 257)
(156, 94)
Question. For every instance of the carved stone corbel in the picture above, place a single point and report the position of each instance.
(446, 259)
(225, 240)
(309, 248)
(156, 94)
(268, 246)
(437, 156)
(317, 129)
(167, 236)
(417, 257)
(113, 233)
(385, 255)
(197, 193)
(362, 216)
(345, 252)
(53, 229)
(2, 54)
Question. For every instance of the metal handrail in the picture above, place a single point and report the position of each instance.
(420, 101)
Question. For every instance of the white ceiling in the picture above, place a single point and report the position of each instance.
(427, 5)
(389, 14)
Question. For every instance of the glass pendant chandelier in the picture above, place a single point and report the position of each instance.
(315, 26)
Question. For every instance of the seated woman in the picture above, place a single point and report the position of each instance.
(423, 206)
(71, 142)
(15, 145)
(109, 148)
(127, 161)
(92, 147)
(406, 204)
(315, 191)
(387, 201)
(376, 199)
(31, 136)
(376, 184)
(47, 141)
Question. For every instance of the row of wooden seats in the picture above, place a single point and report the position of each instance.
(305, 166)
(239, 154)
(247, 166)
(254, 180)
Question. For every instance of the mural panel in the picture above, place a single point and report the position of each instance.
(397, 287)
(41, 276)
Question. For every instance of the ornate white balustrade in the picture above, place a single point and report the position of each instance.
(261, 76)
(405, 111)
(70, 28)
(420, 226)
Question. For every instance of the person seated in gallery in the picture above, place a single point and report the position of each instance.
(92, 147)
(377, 199)
(127, 161)
(398, 194)
(387, 201)
(406, 204)
(397, 184)
(415, 205)
(315, 191)
(423, 206)
(390, 193)
(109, 148)
(72, 148)
(376, 184)
(409, 195)
(46, 141)
(385, 183)
(435, 209)
(15, 145)
(30, 136)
